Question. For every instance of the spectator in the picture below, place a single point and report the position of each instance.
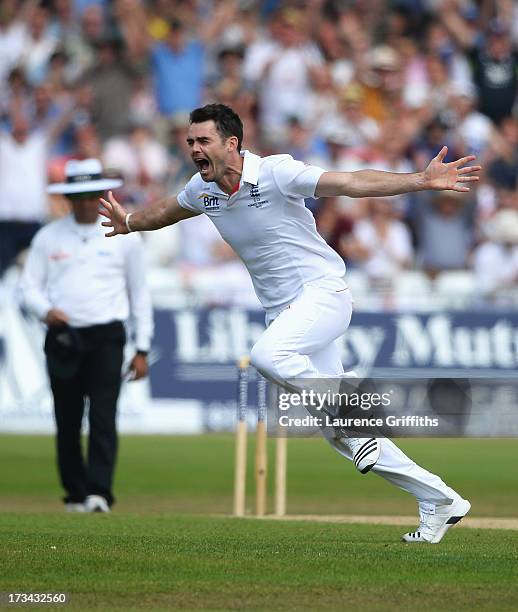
(383, 84)
(438, 41)
(111, 113)
(494, 60)
(45, 110)
(79, 43)
(496, 261)
(57, 77)
(299, 140)
(323, 102)
(336, 51)
(23, 201)
(381, 244)
(389, 152)
(335, 226)
(178, 60)
(15, 96)
(140, 159)
(431, 139)
(284, 67)
(143, 106)
(439, 84)
(12, 37)
(475, 132)
(87, 142)
(227, 86)
(362, 130)
(503, 171)
(39, 46)
(444, 226)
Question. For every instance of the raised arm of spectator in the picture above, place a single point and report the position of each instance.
(61, 122)
(451, 18)
(132, 21)
(224, 13)
(438, 176)
(161, 214)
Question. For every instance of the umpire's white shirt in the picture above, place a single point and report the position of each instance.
(268, 225)
(74, 268)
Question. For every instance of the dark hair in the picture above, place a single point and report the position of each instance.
(227, 122)
(175, 25)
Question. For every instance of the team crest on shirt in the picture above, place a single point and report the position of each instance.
(210, 202)
(256, 202)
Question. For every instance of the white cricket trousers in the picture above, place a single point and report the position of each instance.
(300, 342)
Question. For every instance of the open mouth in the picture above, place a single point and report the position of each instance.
(202, 164)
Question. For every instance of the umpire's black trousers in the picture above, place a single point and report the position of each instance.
(85, 363)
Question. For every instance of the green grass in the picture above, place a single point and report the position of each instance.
(193, 474)
(158, 551)
(186, 562)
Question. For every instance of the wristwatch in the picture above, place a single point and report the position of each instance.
(142, 353)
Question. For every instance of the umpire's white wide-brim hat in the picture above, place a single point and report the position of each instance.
(84, 177)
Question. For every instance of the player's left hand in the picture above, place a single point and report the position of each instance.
(138, 367)
(453, 176)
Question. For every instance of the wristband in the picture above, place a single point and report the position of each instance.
(126, 221)
(142, 353)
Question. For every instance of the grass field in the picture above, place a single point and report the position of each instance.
(164, 548)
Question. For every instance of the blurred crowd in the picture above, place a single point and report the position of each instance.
(345, 85)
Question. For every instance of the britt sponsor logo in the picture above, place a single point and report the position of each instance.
(210, 202)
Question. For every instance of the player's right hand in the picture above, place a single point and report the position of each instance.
(115, 214)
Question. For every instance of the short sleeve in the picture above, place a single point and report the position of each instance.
(187, 198)
(296, 179)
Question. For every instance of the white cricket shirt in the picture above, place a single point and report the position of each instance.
(268, 225)
(23, 178)
(73, 267)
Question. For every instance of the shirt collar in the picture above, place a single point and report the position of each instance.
(251, 163)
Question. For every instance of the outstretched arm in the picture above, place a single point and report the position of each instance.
(376, 183)
(162, 213)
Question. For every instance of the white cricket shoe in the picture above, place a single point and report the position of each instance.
(365, 452)
(434, 521)
(96, 503)
(74, 507)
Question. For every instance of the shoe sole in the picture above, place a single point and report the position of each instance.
(458, 512)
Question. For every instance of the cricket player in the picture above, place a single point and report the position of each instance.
(257, 205)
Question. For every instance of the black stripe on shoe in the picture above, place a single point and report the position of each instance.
(454, 519)
(364, 446)
(368, 447)
(364, 453)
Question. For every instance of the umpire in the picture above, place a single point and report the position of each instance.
(84, 288)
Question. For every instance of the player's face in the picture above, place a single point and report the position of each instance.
(209, 151)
